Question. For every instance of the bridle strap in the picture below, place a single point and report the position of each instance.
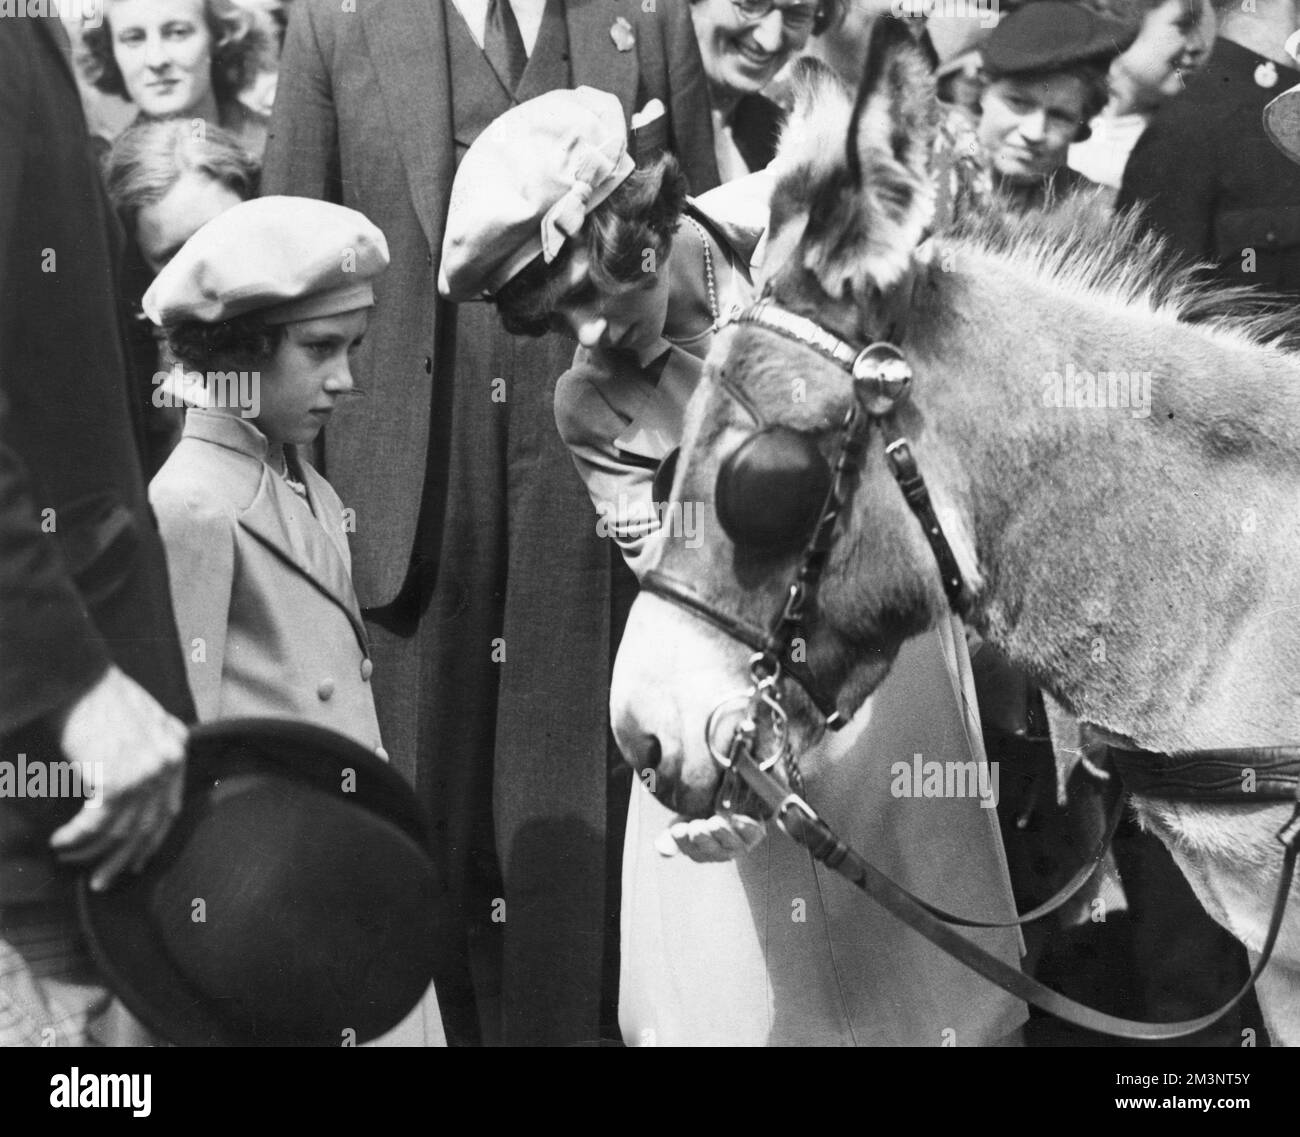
(1212, 775)
(803, 825)
(903, 464)
(678, 592)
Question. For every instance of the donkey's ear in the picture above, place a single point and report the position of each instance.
(897, 112)
(867, 222)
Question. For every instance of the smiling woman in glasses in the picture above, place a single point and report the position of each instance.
(743, 44)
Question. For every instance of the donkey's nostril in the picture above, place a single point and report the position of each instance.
(652, 754)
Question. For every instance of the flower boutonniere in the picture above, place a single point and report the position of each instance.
(623, 34)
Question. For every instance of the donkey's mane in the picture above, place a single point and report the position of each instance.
(1080, 245)
(1083, 247)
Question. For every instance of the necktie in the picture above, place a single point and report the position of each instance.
(503, 45)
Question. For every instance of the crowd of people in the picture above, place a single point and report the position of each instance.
(400, 215)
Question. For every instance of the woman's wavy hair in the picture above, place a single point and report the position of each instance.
(640, 216)
(239, 51)
(149, 158)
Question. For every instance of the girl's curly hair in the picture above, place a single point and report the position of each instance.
(640, 216)
(239, 49)
(244, 343)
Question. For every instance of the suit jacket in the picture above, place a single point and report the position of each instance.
(82, 579)
(755, 128)
(618, 420)
(268, 620)
(363, 117)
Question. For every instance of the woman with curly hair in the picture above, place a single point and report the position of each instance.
(180, 58)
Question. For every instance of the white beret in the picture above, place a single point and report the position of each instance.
(527, 184)
(289, 258)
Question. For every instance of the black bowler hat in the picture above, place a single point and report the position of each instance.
(1048, 35)
(293, 902)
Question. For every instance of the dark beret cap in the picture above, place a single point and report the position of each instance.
(1049, 35)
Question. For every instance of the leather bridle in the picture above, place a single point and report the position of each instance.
(881, 380)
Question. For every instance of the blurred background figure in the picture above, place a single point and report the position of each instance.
(166, 182)
(181, 59)
(958, 73)
(743, 44)
(1208, 177)
(270, 19)
(1173, 40)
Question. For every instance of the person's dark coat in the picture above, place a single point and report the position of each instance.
(1210, 180)
(82, 578)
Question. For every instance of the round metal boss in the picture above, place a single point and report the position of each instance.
(883, 375)
(742, 699)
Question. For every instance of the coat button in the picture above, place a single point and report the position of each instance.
(367, 669)
(325, 690)
(428, 365)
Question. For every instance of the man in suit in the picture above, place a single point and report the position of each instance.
(90, 665)
(486, 590)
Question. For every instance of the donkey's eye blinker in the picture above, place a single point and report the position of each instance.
(771, 490)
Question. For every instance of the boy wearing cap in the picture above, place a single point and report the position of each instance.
(262, 306)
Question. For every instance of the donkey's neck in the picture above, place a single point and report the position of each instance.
(1134, 486)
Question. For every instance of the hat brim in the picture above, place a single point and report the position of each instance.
(118, 923)
(1282, 122)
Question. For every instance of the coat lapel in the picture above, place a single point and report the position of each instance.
(408, 45)
(656, 426)
(284, 523)
(596, 61)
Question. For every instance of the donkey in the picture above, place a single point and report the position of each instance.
(1132, 544)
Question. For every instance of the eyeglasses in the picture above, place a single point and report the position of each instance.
(796, 17)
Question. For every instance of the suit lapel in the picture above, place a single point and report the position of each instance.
(596, 61)
(284, 523)
(408, 45)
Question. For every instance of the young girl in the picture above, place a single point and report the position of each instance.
(262, 306)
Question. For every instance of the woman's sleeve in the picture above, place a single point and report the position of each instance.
(620, 489)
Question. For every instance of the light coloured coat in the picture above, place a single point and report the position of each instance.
(262, 586)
